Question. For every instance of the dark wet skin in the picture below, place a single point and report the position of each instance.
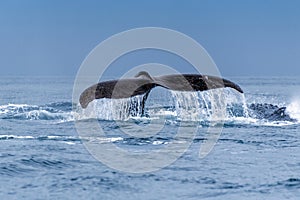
(143, 83)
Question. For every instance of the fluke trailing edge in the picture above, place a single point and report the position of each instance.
(142, 83)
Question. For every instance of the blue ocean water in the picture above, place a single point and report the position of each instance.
(256, 157)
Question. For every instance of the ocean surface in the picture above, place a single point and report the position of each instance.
(257, 155)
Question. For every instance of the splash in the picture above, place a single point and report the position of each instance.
(187, 105)
(112, 109)
(209, 106)
(214, 106)
(293, 109)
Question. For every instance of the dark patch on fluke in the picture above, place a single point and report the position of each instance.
(142, 83)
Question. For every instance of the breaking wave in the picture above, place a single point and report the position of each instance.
(59, 111)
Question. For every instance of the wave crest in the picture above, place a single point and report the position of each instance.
(60, 111)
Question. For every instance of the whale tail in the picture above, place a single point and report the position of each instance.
(143, 83)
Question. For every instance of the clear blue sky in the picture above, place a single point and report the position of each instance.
(243, 37)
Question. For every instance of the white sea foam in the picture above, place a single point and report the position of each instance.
(206, 106)
(34, 112)
(16, 137)
(293, 109)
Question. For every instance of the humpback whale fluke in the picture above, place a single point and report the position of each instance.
(142, 83)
